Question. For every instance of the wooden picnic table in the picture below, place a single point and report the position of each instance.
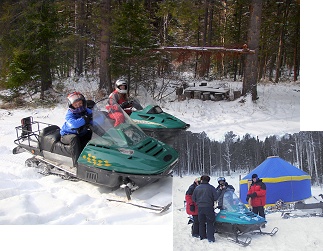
(206, 93)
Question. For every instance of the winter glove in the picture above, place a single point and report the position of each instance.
(87, 118)
(253, 195)
(248, 196)
(124, 104)
(192, 208)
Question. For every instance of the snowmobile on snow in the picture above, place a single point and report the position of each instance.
(157, 123)
(122, 156)
(151, 118)
(302, 209)
(235, 219)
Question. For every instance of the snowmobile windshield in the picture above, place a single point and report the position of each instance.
(232, 203)
(155, 110)
(114, 128)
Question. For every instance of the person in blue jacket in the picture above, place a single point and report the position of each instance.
(75, 130)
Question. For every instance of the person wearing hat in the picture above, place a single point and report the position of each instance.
(204, 196)
(119, 99)
(75, 131)
(257, 193)
(191, 207)
(221, 189)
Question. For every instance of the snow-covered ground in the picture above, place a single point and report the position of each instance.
(87, 220)
(293, 233)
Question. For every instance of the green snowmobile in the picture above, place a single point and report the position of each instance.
(122, 156)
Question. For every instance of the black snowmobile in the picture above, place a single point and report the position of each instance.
(235, 219)
(302, 209)
(122, 156)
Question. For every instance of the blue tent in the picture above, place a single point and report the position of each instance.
(283, 181)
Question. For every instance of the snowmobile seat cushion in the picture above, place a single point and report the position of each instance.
(50, 140)
(48, 137)
(62, 149)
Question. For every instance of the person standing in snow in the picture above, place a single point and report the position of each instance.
(75, 131)
(191, 207)
(204, 196)
(257, 194)
(221, 189)
(119, 97)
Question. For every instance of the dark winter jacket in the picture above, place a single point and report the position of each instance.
(204, 195)
(191, 206)
(257, 193)
(220, 192)
(75, 123)
(227, 186)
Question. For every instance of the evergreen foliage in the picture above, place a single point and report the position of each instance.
(47, 39)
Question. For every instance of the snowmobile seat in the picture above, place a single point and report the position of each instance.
(50, 141)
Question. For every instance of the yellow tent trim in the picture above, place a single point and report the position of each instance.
(281, 179)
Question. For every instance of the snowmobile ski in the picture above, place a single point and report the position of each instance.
(243, 243)
(299, 214)
(155, 208)
(272, 233)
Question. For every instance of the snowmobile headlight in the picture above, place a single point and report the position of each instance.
(126, 151)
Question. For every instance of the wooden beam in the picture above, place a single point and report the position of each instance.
(244, 50)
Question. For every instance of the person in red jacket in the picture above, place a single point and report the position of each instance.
(191, 207)
(257, 193)
(119, 98)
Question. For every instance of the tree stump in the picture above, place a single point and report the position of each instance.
(206, 95)
(181, 97)
(217, 96)
(236, 94)
(179, 90)
(188, 95)
(197, 95)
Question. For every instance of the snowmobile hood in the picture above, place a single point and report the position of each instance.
(125, 148)
(235, 212)
(154, 117)
(148, 157)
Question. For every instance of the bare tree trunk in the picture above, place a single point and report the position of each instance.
(281, 41)
(314, 161)
(251, 63)
(104, 70)
(205, 57)
(80, 32)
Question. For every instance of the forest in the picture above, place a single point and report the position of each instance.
(46, 41)
(200, 155)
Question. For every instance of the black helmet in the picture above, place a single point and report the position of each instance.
(119, 83)
(74, 97)
(221, 179)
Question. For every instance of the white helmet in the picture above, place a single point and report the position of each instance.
(119, 83)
